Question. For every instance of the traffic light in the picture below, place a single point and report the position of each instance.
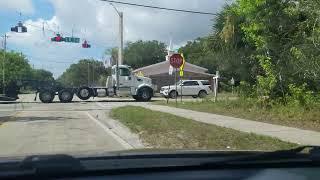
(57, 38)
(20, 28)
(86, 45)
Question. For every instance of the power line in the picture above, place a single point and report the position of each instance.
(162, 8)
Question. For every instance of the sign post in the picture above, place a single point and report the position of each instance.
(181, 74)
(175, 79)
(232, 84)
(176, 61)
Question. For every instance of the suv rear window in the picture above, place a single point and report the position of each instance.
(205, 82)
(190, 83)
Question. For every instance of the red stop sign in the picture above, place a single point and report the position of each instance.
(176, 60)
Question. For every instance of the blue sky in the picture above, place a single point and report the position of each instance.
(96, 22)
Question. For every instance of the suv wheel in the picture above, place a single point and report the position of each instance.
(202, 94)
(173, 94)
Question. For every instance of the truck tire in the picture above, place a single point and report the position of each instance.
(144, 94)
(65, 96)
(46, 96)
(136, 97)
(84, 93)
(173, 94)
(202, 94)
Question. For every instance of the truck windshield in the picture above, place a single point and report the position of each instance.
(124, 72)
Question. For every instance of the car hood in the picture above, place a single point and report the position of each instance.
(171, 86)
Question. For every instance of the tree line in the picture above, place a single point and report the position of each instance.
(17, 67)
(270, 46)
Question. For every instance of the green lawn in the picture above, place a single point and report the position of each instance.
(162, 130)
(278, 114)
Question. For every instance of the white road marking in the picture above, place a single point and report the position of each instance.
(107, 130)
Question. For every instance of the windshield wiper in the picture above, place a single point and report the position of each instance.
(282, 155)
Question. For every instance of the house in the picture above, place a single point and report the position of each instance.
(159, 73)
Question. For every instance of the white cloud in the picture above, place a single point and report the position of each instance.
(97, 22)
(23, 6)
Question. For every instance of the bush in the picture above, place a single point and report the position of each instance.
(299, 95)
(246, 90)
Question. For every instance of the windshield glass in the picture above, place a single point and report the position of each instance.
(251, 73)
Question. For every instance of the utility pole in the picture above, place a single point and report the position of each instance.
(88, 73)
(120, 50)
(121, 38)
(3, 63)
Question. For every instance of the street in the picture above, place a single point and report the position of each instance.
(28, 127)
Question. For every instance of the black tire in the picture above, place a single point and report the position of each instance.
(173, 94)
(46, 96)
(202, 94)
(194, 96)
(144, 94)
(136, 97)
(84, 93)
(65, 96)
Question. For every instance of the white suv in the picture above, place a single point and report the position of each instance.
(194, 88)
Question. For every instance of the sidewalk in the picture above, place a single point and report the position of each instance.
(294, 135)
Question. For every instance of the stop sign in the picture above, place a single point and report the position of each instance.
(176, 60)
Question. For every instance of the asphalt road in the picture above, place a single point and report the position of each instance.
(28, 127)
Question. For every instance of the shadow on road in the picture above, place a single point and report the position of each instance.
(4, 119)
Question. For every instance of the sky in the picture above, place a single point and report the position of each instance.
(97, 22)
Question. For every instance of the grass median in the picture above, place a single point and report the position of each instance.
(162, 130)
(298, 117)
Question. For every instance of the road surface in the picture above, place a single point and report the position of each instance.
(28, 127)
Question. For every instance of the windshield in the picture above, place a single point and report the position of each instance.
(250, 73)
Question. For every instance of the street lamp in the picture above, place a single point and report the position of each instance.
(120, 50)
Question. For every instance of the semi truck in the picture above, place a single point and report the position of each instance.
(139, 88)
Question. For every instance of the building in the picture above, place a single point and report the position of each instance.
(159, 73)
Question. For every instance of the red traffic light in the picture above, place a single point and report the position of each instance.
(86, 45)
(58, 38)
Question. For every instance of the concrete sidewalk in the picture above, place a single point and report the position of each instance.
(294, 135)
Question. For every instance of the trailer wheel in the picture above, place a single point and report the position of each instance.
(65, 96)
(144, 94)
(46, 96)
(84, 93)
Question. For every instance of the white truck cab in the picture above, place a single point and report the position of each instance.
(140, 88)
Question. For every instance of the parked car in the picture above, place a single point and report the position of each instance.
(194, 88)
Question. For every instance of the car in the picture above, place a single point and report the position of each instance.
(194, 88)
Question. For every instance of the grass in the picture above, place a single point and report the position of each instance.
(291, 116)
(162, 130)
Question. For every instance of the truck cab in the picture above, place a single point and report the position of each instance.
(140, 88)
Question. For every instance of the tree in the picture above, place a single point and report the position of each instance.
(273, 45)
(141, 53)
(285, 35)
(16, 67)
(85, 72)
(42, 75)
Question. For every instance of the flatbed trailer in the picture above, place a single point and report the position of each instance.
(140, 88)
